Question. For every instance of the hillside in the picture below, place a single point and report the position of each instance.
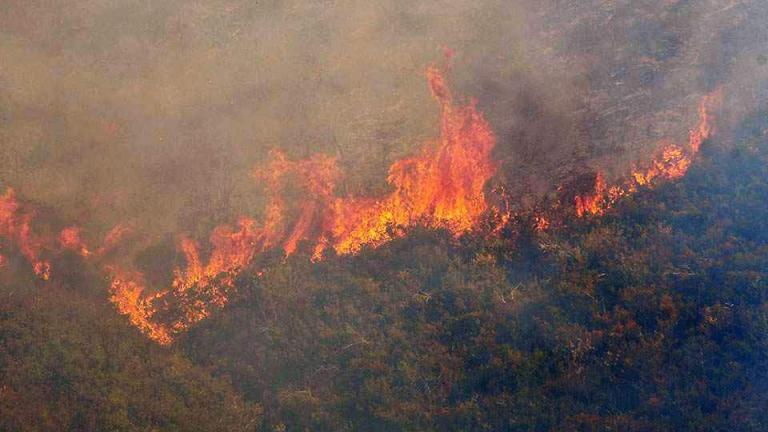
(69, 362)
(652, 317)
(464, 215)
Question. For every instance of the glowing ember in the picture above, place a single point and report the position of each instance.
(442, 186)
(70, 239)
(540, 223)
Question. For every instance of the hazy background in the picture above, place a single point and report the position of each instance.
(156, 111)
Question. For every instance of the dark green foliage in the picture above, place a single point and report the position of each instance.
(68, 362)
(650, 318)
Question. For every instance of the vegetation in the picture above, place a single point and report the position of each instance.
(653, 317)
(69, 362)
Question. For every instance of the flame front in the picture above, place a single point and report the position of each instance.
(594, 201)
(442, 186)
(672, 162)
(129, 297)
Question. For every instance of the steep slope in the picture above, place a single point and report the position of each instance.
(651, 317)
(68, 362)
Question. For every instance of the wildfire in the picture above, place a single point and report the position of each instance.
(16, 227)
(317, 177)
(127, 294)
(593, 202)
(112, 239)
(540, 223)
(442, 186)
(672, 162)
(232, 251)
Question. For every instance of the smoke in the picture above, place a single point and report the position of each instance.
(156, 112)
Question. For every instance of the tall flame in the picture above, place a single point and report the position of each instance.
(440, 187)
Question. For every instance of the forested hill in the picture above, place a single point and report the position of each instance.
(653, 317)
(69, 362)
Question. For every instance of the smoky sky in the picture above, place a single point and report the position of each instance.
(157, 111)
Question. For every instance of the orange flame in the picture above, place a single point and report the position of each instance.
(232, 250)
(704, 129)
(540, 223)
(16, 227)
(440, 187)
(672, 162)
(113, 238)
(593, 202)
(127, 294)
(317, 176)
